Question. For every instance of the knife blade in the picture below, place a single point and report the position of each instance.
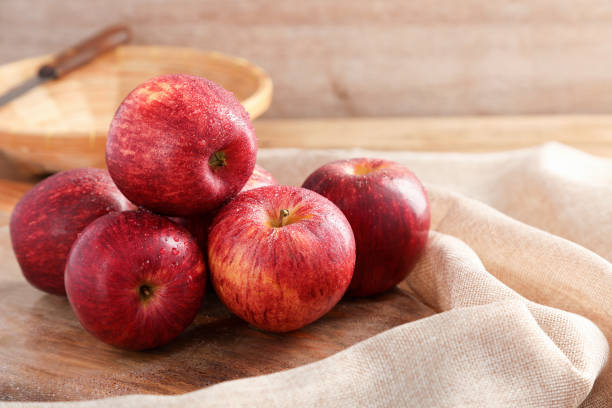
(22, 88)
(71, 59)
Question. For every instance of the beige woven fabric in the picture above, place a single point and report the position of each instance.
(520, 251)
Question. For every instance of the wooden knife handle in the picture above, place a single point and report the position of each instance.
(85, 51)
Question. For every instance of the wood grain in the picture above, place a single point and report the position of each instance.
(62, 124)
(45, 355)
(366, 57)
(10, 193)
(590, 133)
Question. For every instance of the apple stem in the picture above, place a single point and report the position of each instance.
(145, 292)
(283, 217)
(218, 159)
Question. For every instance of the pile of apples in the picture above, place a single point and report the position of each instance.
(131, 246)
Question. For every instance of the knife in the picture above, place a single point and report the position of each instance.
(71, 59)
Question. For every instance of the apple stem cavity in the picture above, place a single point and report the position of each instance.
(218, 159)
(145, 292)
(284, 214)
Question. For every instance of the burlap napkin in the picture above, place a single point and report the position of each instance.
(520, 251)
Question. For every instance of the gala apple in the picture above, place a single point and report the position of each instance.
(180, 145)
(280, 257)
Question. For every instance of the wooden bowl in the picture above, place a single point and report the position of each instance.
(63, 124)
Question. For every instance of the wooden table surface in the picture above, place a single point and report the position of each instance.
(591, 133)
(46, 355)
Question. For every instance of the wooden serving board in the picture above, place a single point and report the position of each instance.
(45, 355)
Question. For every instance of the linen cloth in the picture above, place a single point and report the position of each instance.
(518, 267)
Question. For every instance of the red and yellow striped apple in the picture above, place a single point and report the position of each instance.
(180, 145)
(280, 257)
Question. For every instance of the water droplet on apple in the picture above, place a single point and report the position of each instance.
(176, 238)
(162, 251)
(175, 251)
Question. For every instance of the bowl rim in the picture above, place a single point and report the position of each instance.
(48, 150)
(256, 104)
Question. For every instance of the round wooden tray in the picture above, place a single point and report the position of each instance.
(63, 124)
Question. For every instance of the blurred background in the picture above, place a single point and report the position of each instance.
(362, 57)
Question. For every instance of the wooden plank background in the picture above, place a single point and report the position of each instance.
(365, 57)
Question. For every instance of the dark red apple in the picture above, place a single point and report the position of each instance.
(47, 220)
(135, 280)
(280, 257)
(180, 145)
(388, 210)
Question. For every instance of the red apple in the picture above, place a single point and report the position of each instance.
(388, 210)
(180, 145)
(260, 177)
(135, 279)
(199, 225)
(47, 220)
(280, 257)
